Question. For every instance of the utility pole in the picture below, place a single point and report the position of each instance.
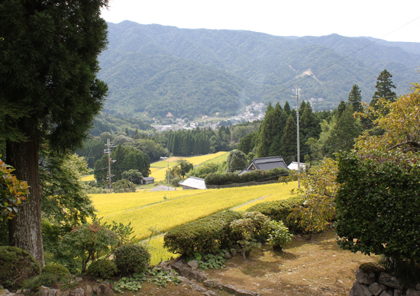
(108, 151)
(297, 121)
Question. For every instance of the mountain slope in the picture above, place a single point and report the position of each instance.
(152, 70)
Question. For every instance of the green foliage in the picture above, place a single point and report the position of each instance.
(355, 98)
(236, 161)
(207, 235)
(102, 268)
(248, 228)
(16, 266)
(280, 210)
(182, 168)
(384, 86)
(126, 158)
(55, 268)
(212, 261)
(88, 242)
(205, 169)
(377, 202)
(254, 176)
(156, 275)
(123, 185)
(320, 190)
(132, 258)
(133, 176)
(12, 192)
(44, 279)
(278, 235)
(64, 201)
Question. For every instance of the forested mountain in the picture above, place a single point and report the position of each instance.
(152, 69)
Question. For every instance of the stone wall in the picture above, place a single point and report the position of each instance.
(374, 280)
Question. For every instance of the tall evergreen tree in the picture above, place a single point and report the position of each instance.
(355, 98)
(289, 140)
(287, 108)
(384, 88)
(309, 127)
(344, 132)
(265, 132)
(340, 109)
(48, 91)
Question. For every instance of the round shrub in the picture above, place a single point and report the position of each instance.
(132, 258)
(16, 266)
(55, 268)
(102, 268)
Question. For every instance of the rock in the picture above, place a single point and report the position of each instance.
(418, 287)
(390, 281)
(58, 293)
(210, 293)
(88, 291)
(26, 291)
(183, 279)
(19, 291)
(357, 290)
(412, 292)
(212, 284)
(229, 288)
(43, 291)
(193, 264)
(398, 292)
(4, 291)
(104, 289)
(376, 288)
(241, 292)
(198, 288)
(386, 293)
(365, 278)
(52, 292)
(366, 290)
(165, 266)
(77, 292)
(65, 293)
(79, 279)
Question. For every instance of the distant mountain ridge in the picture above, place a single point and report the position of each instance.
(152, 69)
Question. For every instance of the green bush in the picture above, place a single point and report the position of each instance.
(254, 176)
(102, 268)
(55, 268)
(279, 210)
(44, 279)
(16, 266)
(207, 235)
(278, 235)
(132, 258)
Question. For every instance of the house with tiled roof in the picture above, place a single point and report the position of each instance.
(265, 163)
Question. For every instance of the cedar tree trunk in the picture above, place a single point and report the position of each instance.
(25, 229)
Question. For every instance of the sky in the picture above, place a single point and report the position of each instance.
(385, 19)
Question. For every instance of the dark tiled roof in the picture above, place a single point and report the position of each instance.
(148, 178)
(266, 163)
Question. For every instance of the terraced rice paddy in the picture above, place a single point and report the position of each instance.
(164, 210)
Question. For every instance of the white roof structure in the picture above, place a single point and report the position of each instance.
(294, 166)
(193, 183)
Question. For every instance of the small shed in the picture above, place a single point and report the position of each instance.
(147, 180)
(193, 183)
(265, 163)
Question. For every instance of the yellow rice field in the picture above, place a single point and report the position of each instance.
(88, 178)
(151, 209)
(158, 169)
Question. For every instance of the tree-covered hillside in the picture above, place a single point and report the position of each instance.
(152, 69)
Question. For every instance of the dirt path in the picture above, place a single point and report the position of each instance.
(306, 267)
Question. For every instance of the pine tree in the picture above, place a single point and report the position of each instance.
(384, 88)
(287, 108)
(340, 109)
(344, 132)
(289, 141)
(265, 131)
(49, 93)
(355, 98)
(309, 127)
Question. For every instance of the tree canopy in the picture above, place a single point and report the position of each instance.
(48, 91)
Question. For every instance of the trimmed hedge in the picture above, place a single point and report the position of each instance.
(132, 258)
(254, 176)
(206, 235)
(279, 210)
